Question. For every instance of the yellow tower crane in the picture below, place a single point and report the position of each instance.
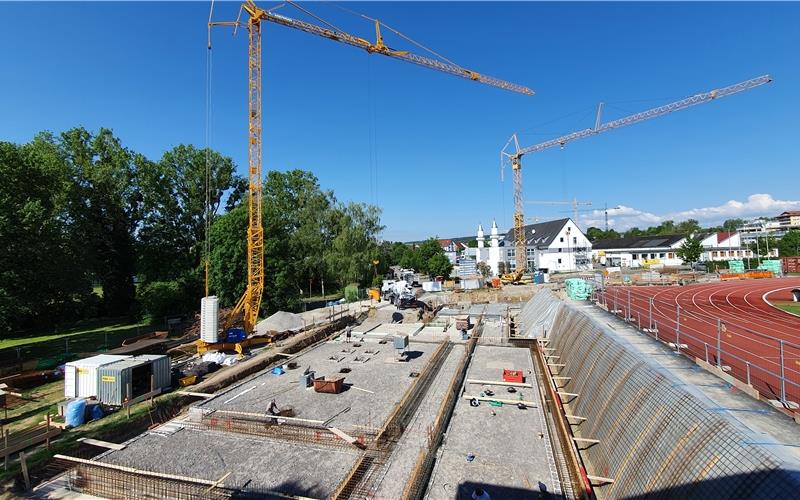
(515, 157)
(250, 302)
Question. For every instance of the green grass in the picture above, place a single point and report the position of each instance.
(40, 401)
(94, 429)
(96, 328)
(793, 308)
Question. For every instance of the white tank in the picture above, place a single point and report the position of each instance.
(209, 319)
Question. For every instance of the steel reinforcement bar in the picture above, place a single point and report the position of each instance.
(257, 425)
(418, 482)
(360, 480)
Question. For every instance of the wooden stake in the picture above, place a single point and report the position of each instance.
(128, 405)
(24, 466)
(5, 445)
(48, 430)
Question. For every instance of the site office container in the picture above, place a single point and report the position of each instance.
(131, 378)
(80, 377)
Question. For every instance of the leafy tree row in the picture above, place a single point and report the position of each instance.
(308, 237)
(686, 227)
(80, 209)
(428, 257)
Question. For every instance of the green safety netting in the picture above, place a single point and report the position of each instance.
(771, 265)
(578, 289)
(737, 266)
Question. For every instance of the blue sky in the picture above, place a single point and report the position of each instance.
(424, 145)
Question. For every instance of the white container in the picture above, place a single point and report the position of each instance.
(209, 319)
(470, 284)
(80, 377)
(432, 286)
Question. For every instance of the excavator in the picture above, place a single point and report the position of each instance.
(250, 303)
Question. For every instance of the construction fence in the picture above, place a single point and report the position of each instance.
(768, 364)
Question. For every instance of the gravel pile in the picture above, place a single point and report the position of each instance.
(280, 322)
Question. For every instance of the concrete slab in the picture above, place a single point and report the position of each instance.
(415, 438)
(254, 463)
(511, 447)
(386, 381)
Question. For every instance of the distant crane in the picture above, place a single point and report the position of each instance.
(605, 212)
(515, 157)
(250, 302)
(575, 204)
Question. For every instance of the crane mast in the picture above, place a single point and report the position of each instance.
(515, 157)
(250, 302)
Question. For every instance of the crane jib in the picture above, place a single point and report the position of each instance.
(650, 113)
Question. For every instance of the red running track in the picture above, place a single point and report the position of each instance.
(752, 333)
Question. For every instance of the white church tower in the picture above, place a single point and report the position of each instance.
(480, 252)
(494, 250)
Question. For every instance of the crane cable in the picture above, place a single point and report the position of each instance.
(207, 203)
(396, 32)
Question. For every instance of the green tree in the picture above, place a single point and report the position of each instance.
(44, 278)
(354, 245)
(105, 205)
(597, 234)
(762, 245)
(789, 245)
(172, 232)
(484, 269)
(305, 234)
(634, 232)
(439, 265)
(732, 224)
(687, 227)
(690, 250)
(501, 268)
(427, 250)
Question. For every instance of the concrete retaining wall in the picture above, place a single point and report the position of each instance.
(657, 439)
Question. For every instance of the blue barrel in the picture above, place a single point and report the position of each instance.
(74, 415)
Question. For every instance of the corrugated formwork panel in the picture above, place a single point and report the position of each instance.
(657, 439)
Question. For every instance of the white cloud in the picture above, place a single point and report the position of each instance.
(756, 205)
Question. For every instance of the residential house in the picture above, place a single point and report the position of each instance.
(552, 246)
(725, 245)
(639, 251)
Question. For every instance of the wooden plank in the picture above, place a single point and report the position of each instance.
(131, 470)
(29, 441)
(497, 382)
(218, 482)
(351, 386)
(196, 394)
(586, 440)
(500, 400)
(599, 479)
(103, 444)
(141, 398)
(343, 435)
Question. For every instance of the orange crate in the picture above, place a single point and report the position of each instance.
(513, 376)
